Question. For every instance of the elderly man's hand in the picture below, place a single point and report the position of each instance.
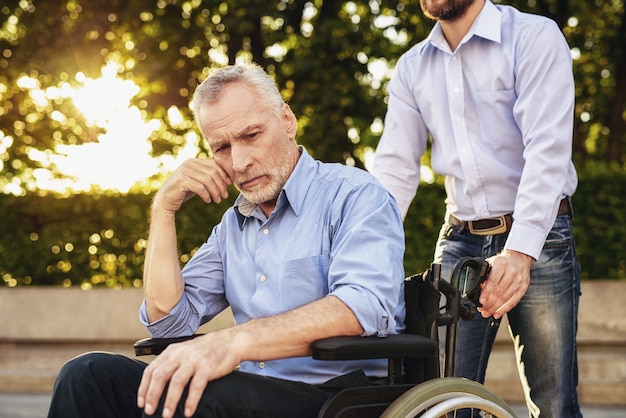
(195, 363)
(506, 284)
(196, 176)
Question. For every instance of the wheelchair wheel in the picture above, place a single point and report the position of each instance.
(439, 397)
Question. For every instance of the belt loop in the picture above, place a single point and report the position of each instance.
(451, 221)
(462, 227)
(565, 207)
(571, 207)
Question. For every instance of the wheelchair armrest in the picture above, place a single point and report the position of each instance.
(155, 346)
(392, 346)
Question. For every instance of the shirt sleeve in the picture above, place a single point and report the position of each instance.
(544, 113)
(202, 299)
(366, 270)
(397, 158)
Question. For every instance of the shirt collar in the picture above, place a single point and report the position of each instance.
(293, 193)
(487, 25)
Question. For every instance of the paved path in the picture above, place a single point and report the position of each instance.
(17, 405)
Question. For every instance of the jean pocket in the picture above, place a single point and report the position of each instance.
(560, 236)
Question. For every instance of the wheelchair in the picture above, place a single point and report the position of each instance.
(417, 385)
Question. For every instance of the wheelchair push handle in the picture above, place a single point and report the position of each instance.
(468, 276)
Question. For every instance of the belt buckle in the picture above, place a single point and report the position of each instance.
(494, 230)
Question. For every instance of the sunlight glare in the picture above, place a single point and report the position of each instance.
(120, 157)
(27, 82)
(175, 117)
(117, 161)
(38, 97)
(101, 99)
(379, 68)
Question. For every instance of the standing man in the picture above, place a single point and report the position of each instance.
(493, 88)
(309, 250)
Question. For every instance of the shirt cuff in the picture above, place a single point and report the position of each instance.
(375, 321)
(171, 325)
(525, 240)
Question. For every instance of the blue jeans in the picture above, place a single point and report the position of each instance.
(543, 325)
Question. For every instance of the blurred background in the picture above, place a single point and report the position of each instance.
(94, 114)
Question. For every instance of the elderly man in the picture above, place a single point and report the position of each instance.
(309, 250)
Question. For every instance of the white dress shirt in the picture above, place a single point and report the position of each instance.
(499, 110)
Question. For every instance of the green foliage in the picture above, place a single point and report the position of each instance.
(332, 61)
(600, 222)
(84, 239)
(90, 240)
(422, 225)
(318, 52)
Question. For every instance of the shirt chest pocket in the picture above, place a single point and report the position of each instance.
(303, 281)
(495, 113)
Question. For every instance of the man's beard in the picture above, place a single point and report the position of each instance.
(278, 177)
(447, 10)
(265, 193)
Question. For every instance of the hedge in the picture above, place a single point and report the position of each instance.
(100, 240)
(599, 224)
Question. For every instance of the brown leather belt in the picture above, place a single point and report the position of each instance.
(500, 224)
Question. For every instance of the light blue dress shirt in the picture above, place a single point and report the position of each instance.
(500, 112)
(335, 230)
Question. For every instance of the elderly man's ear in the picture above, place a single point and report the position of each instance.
(291, 122)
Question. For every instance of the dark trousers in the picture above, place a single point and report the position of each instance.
(105, 385)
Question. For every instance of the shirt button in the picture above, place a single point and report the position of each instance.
(263, 278)
(261, 364)
(266, 231)
(457, 90)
